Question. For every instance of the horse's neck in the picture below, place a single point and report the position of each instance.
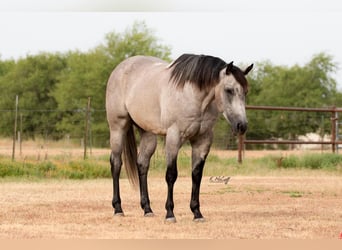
(207, 100)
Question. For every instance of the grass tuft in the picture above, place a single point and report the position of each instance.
(312, 161)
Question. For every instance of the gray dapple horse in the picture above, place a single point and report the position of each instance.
(181, 101)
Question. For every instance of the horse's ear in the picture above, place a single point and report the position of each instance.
(248, 69)
(229, 68)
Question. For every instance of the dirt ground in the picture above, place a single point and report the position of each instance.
(246, 208)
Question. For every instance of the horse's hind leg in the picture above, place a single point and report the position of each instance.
(148, 143)
(116, 141)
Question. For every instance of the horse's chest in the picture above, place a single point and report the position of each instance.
(195, 126)
(206, 125)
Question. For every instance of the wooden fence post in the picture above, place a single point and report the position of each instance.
(21, 135)
(86, 130)
(15, 126)
(333, 129)
(240, 147)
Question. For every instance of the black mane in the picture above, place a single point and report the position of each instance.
(201, 70)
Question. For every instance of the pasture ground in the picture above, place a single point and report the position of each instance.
(257, 203)
(248, 207)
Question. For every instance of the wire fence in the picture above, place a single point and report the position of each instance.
(292, 128)
(294, 123)
(46, 141)
(270, 128)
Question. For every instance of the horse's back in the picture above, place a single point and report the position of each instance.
(132, 69)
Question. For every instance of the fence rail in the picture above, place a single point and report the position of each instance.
(334, 142)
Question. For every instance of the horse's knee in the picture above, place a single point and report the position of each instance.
(115, 163)
(142, 169)
(197, 169)
(171, 175)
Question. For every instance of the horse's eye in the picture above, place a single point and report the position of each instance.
(230, 91)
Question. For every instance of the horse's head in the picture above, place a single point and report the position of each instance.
(230, 96)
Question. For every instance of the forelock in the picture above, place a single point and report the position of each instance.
(240, 77)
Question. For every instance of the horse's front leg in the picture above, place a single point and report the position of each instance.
(172, 146)
(200, 149)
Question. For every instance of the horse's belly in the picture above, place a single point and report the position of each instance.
(148, 120)
(152, 126)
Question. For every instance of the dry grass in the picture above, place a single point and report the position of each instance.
(248, 207)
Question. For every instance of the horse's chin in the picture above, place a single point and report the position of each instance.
(235, 128)
(237, 133)
(234, 133)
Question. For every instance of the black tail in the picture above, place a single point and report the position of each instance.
(130, 155)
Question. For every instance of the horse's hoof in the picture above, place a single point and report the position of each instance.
(150, 214)
(119, 214)
(199, 220)
(171, 220)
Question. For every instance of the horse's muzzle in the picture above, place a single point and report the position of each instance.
(241, 128)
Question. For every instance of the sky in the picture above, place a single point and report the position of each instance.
(245, 31)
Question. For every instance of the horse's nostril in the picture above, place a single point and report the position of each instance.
(241, 127)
